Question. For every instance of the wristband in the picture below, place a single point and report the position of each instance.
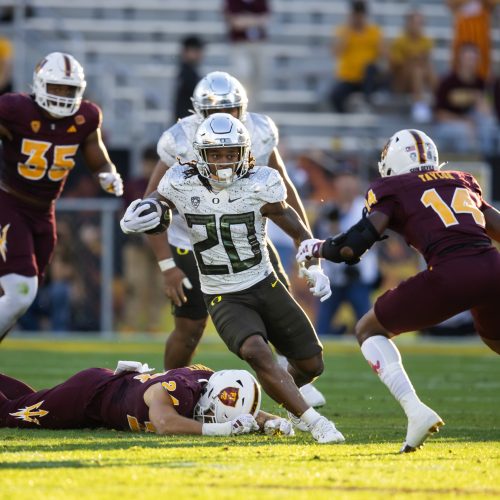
(217, 429)
(166, 264)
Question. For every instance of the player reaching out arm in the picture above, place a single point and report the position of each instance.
(443, 215)
(41, 134)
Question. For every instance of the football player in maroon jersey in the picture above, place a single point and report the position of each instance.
(443, 215)
(41, 134)
(188, 400)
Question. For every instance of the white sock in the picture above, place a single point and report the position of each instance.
(385, 360)
(310, 416)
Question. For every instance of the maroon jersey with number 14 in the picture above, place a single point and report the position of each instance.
(440, 213)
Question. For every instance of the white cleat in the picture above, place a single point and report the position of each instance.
(312, 396)
(324, 431)
(421, 425)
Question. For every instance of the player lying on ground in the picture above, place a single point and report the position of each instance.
(189, 400)
(217, 92)
(443, 215)
(41, 135)
(225, 201)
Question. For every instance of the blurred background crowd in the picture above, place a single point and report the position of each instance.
(337, 76)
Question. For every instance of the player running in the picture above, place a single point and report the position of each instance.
(443, 215)
(41, 134)
(216, 92)
(225, 201)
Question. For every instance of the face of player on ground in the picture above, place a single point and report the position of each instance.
(222, 163)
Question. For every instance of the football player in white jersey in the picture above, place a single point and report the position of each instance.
(218, 91)
(225, 202)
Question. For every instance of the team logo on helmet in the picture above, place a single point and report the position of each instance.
(195, 201)
(229, 396)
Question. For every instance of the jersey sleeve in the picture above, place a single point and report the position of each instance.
(273, 132)
(272, 189)
(165, 187)
(166, 148)
(380, 197)
(476, 189)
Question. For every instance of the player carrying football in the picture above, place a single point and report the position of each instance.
(216, 92)
(225, 201)
(443, 215)
(41, 134)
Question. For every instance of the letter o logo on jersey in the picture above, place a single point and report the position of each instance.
(215, 201)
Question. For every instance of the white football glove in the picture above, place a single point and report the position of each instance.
(317, 280)
(111, 182)
(279, 426)
(309, 249)
(244, 424)
(133, 222)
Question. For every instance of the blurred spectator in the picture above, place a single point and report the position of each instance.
(465, 121)
(472, 24)
(350, 284)
(247, 24)
(411, 68)
(144, 296)
(358, 46)
(6, 58)
(187, 77)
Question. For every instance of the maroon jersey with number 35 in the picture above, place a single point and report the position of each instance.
(42, 152)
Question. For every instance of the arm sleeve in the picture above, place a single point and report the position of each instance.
(379, 198)
(476, 189)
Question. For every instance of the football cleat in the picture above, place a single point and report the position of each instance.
(312, 396)
(421, 425)
(324, 431)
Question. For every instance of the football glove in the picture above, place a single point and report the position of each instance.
(317, 280)
(244, 424)
(111, 182)
(133, 222)
(309, 249)
(279, 426)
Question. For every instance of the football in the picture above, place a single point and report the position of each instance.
(159, 207)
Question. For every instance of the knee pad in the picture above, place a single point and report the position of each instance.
(19, 292)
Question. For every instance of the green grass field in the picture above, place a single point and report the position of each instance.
(461, 381)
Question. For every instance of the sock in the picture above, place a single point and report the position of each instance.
(385, 360)
(310, 416)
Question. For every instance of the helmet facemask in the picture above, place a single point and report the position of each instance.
(224, 135)
(62, 70)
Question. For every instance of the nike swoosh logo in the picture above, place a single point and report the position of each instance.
(235, 199)
(274, 284)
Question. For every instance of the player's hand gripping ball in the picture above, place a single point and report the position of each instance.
(159, 207)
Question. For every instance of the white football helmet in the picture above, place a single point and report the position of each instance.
(219, 90)
(221, 130)
(60, 69)
(227, 395)
(407, 151)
